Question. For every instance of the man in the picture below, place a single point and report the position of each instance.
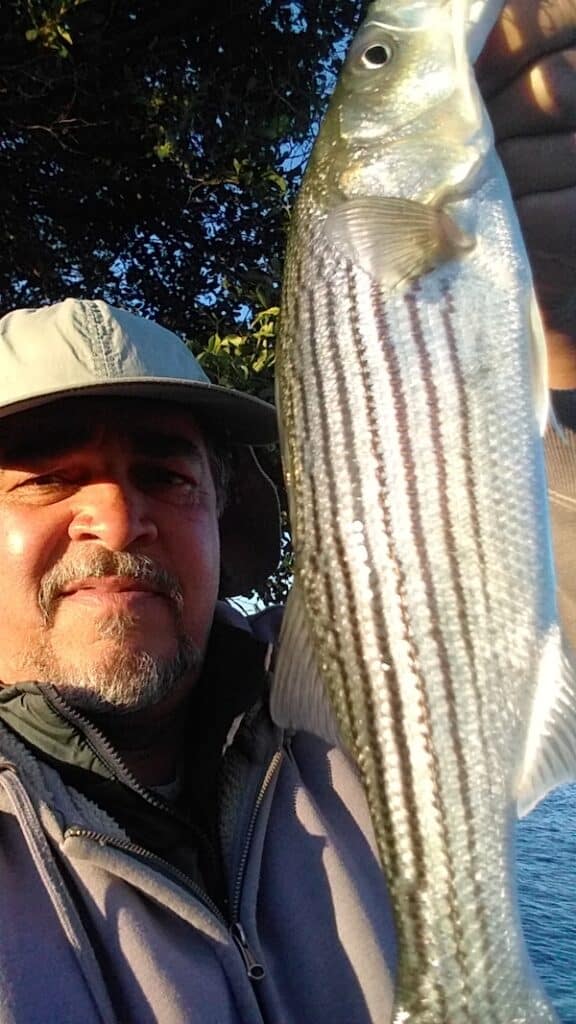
(131, 848)
(165, 853)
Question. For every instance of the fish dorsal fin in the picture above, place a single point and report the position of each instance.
(394, 240)
(299, 699)
(550, 752)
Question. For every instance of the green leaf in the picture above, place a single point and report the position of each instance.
(164, 150)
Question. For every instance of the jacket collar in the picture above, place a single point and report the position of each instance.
(232, 680)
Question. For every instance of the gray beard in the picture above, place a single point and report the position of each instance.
(125, 681)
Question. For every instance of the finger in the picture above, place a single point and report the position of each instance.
(540, 100)
(539, 163)
(525, 32)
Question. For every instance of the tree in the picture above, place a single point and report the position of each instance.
(150, 153)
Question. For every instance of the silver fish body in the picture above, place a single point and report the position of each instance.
(424, 598)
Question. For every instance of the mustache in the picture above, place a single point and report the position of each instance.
(99, 564)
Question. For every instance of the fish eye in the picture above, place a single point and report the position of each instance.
(376, 56)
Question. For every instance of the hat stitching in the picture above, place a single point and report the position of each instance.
(102, 348)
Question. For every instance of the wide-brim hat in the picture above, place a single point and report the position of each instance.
(87, 347)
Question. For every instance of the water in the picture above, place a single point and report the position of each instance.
(547, 884)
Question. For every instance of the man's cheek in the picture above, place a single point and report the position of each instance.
(15, 542)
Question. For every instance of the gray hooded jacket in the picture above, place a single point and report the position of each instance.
(95, 928)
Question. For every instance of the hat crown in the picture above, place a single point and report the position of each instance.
(82, 342)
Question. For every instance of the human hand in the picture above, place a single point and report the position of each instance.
(527, 74)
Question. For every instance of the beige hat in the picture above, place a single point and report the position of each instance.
(86, 347)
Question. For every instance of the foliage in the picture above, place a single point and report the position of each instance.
(150, 153)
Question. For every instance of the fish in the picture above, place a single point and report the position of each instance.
(421, 632)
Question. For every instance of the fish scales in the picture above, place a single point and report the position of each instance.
(369, 471)
(424, 586)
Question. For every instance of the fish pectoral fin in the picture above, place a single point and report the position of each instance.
(394, 240)
(299, 699)
(550, 752)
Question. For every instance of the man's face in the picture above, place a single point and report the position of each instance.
(109, 550)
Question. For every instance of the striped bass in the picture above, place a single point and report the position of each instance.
(422, 630)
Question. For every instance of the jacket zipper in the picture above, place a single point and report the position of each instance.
(236, 893)
(102, 748)
(105, 751)
(167, 869)
(254, 970)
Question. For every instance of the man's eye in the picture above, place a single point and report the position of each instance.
(44, 488)
(46, 480)
(159, 478)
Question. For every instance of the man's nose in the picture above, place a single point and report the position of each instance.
(113, 513)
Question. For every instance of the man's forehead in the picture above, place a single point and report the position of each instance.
(69, 424)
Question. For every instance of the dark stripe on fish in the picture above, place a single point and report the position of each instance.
(341, 561)
(473, 841)
(394, 371)
(402, 744)
(333, 613)
(447, 314)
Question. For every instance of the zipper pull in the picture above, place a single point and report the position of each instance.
(254, 970)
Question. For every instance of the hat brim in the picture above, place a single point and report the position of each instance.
(243, 419)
